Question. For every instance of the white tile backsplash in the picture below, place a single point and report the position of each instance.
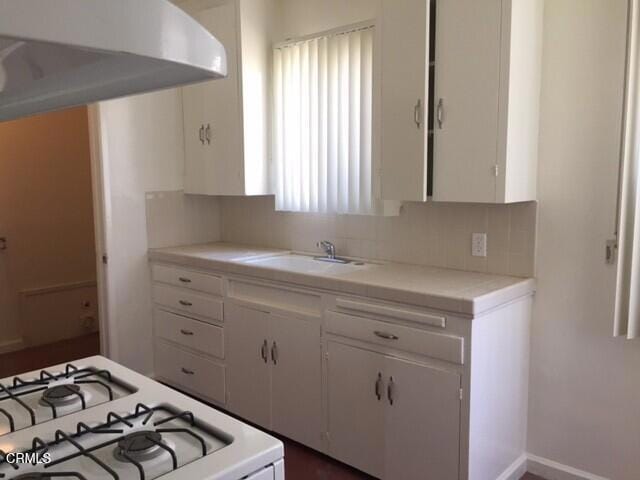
(174, 218)
(424, 233)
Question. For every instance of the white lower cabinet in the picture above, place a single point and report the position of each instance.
(274, 372)
(249, 383)
(392, 418)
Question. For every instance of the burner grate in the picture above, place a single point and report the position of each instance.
(127, 445)
(54, 396)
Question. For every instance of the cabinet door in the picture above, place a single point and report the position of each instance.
(214, 167)
(467, 85)
(249, 381)
(405, 83)
(356, 414)
(296, 379)
(422, 422)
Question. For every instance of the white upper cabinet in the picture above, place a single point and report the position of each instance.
(404, 78)
(484, 107)
(226, 121)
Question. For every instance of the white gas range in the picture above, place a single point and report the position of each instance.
(95, 419)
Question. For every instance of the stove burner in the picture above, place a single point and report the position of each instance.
(62, 394)
(139, 446)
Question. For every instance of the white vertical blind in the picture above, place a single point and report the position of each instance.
(322, 138)
(627, 307)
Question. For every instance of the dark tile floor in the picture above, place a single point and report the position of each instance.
(301, 463)
(43, 356)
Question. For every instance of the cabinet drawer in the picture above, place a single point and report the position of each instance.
(393, 311)
(436, 345)
(193, 373)
(187, 279)
(190, 333)
(188, 302)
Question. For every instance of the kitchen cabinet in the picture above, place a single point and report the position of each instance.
(274, 371)
(404, 79)
(484, 65)
(226, 121)
(407, 420)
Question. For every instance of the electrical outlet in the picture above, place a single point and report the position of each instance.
(479, 244)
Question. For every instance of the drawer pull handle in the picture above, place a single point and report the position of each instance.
(274, 353)
(378, 386)
(184, 279)
(186, 332)
(263, 351)
(187, 371)
(390, 391)
(385, 335)
(185, 303)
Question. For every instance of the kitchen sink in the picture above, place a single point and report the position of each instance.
(307, 264)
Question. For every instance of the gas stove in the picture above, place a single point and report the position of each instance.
(95, 419)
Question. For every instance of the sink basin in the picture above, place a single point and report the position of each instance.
(306, 264)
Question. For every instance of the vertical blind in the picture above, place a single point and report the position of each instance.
(627, 306)
(322, 129)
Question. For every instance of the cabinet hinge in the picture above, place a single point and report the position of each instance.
(461, 394)
(496, 170)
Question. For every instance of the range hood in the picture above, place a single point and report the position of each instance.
(61, 53)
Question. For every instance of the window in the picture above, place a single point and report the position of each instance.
(627, 307)
(322, 128)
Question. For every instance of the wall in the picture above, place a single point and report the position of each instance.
(424, 234)
(143, 155)
(47, 213)
(585, 387)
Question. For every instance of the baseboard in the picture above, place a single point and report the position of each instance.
(516, 470)
(551, 470)
(11, 345)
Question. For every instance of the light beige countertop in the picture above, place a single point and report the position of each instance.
(455, 291)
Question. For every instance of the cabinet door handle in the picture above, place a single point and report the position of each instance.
(263, 351)
(201, 134)
(378, 388)
(188, 333)
(390, 390)
(207, 134)
(187, 371)
(184, 303)
(184, 279)
(417, 114)
(274, 353)
(385, 335)
(440, 113)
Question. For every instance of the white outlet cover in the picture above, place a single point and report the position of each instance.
(479, 244)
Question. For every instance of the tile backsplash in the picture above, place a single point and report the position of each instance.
(174, 218)
(433, 234)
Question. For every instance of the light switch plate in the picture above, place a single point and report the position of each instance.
(479, 244)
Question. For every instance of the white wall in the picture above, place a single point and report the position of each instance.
(143, 152)
(585, 385)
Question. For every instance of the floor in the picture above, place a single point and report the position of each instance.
(44, 356)
(301, 462)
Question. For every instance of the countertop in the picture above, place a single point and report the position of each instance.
(456, 291)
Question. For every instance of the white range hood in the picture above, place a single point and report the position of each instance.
(60, 53)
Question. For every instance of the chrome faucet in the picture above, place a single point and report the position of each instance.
(329, 249)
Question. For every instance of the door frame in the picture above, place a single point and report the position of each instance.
(102, 218)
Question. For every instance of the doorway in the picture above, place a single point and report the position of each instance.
(48, 282)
